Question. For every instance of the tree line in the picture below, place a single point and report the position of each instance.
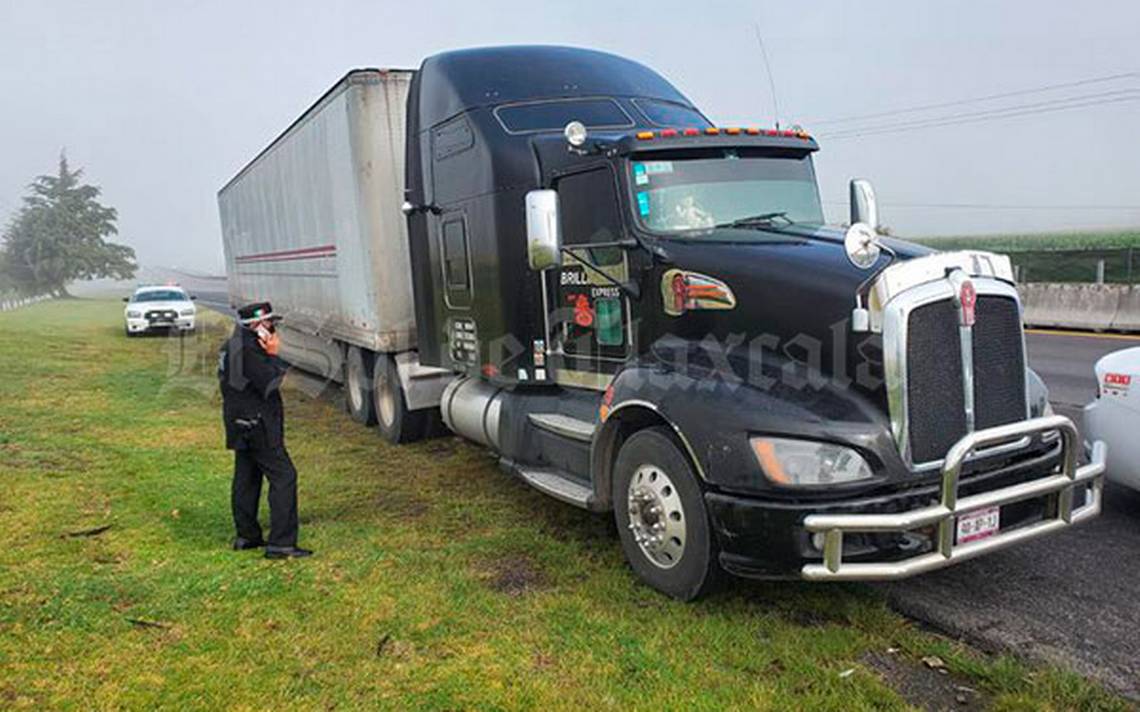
(59, 236)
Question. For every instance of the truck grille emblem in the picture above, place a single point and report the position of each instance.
(968, 299)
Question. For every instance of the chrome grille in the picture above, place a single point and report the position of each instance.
(930, 361)
(935, 396)
(999, 363)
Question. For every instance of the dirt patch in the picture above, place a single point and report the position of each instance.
(442, 446)
(925, 685)
(401, 504)
(514, 576)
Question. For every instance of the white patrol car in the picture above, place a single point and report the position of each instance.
(154, 308)
(1114, 416)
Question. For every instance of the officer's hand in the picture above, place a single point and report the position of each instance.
(271, 343)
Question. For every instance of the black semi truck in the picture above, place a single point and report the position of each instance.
(643, 313)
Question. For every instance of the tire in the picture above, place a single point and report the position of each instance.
(682, 563)
(358, 385)
(393, 419)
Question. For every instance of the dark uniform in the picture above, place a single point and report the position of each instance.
(255, 430)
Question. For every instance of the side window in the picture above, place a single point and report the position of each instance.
(588, 203)
(456, 261)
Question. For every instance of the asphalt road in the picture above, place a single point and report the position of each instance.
(1072, 598)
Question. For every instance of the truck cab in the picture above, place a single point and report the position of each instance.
(649, 315)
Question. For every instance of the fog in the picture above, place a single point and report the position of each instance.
(162, 102)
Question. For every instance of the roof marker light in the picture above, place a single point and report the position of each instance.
(712, 131)
(668, 133)
(644, 135)
(692, 132)
(753, 131)
(771, 132)
(732, 131)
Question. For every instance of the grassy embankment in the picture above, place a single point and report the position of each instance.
(438, 582)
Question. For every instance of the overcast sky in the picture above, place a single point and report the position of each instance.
(161, 102)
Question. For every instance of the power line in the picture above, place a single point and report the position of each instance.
(990, 112)
(1009, 112)
(979, 99)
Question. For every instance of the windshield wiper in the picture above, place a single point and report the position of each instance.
(763, 219)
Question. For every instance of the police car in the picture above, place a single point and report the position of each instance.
(159, 308)
(1114, 416)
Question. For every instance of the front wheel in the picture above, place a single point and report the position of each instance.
(661, 517)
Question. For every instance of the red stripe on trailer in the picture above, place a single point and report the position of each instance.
(300, 253)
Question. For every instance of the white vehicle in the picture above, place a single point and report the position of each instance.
(1114, 416)
(164, 308)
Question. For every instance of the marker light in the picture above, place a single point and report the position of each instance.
(668, 133)
(644, 135)
(692, 132)
(753, 131)
(712, 131)
(575, 133)
(732, 132)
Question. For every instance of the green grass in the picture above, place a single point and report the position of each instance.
(1059, 257)
(1090, 240)
(438, 583)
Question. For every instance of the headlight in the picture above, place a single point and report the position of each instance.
(186, 312)
(134, 315)
(806, 462)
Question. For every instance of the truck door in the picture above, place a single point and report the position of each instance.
(588, 316)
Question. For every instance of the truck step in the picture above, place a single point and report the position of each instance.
(557, 484)
(564, 425)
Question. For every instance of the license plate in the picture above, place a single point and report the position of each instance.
(978, 524)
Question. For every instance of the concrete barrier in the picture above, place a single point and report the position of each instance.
(1094, 307)
(1128, 313)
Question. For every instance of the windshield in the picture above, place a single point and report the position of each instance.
(159, 295)
(749, 189)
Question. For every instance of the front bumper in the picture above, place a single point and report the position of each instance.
(910, 532)
(138, 326)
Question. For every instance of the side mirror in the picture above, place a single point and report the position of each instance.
(864, 209)
(543, 230)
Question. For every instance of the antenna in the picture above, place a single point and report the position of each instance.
(771, 79)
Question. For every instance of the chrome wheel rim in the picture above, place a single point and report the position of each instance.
(386, 402)
(355, 388)
(656, 516)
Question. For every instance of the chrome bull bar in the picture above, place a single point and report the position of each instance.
(945, 513)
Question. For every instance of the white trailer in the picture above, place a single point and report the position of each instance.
(313, 224)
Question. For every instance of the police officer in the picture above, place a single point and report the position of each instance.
(250, 374)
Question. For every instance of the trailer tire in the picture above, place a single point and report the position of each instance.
(358, 386)
(654, 485)
(396, 423)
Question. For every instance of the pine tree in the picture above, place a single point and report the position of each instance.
(58, 236)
